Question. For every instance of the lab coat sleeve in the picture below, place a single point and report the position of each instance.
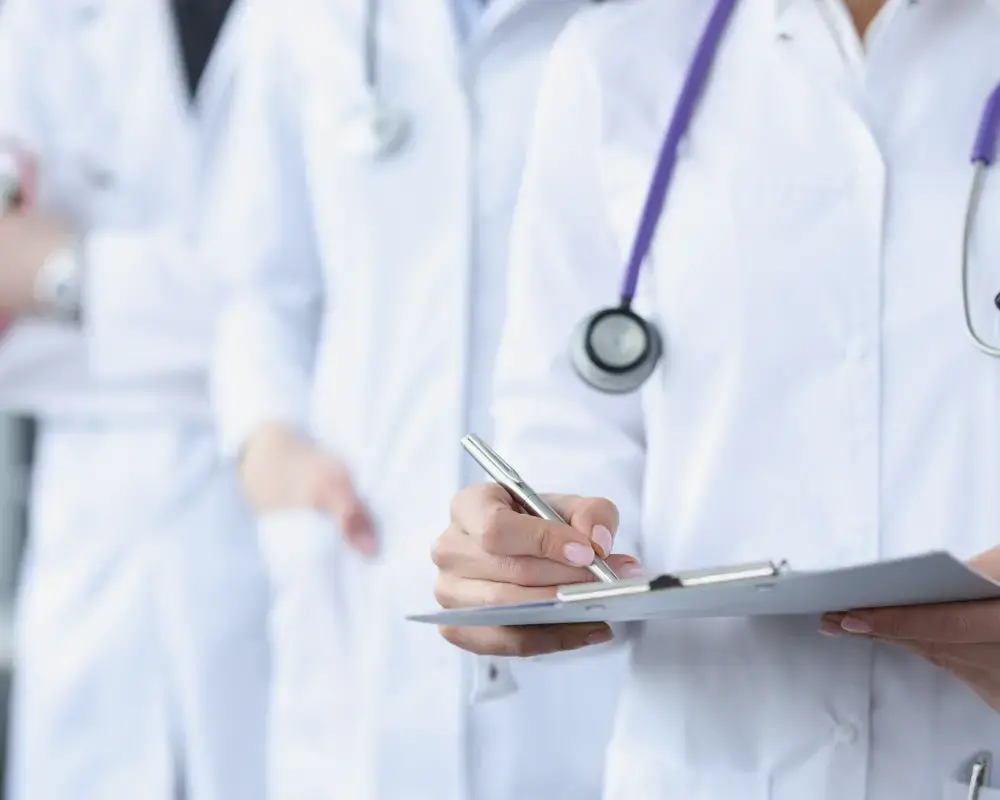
(146, 317)
(34, 357)
(148, 308)
(566, 264)
(261, 239)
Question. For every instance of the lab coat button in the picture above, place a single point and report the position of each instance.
(101, 179)
(87, 13)
(857, 351)
(996, 302)
(845, 733)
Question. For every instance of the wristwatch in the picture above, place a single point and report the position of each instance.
(59, 285)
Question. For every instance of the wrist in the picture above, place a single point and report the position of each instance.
(270, 464)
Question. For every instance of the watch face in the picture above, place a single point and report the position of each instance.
(58, 285)
(618, 340)
(374, 130)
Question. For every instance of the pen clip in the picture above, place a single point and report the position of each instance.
(484, 454)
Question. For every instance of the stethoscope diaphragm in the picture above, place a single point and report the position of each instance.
(375, 130)
(615, 350)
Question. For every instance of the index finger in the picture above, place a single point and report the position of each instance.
(946, 623)
(488, 515)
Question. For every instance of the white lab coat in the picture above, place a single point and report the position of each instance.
(141, 639)
(389, 278)
(818, 401)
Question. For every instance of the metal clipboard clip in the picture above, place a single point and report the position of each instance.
(977, 772)
(588, 592)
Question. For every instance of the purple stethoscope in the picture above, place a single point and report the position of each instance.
(615, 350)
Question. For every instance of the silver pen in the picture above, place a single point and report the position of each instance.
(506, 476)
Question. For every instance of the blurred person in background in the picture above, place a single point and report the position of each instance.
(373, 158)
(141, 658)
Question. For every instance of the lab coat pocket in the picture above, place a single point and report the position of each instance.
(293, 541)
(317, 583)
(648, 775)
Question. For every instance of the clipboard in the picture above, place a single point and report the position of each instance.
(762, 589)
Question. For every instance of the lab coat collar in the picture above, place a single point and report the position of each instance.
(495, 17)
(781, 6)
(497, 11)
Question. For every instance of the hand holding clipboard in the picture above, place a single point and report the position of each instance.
(498, 566)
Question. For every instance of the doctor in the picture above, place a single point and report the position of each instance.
(140, 646)
(373, 158)
(794, 379)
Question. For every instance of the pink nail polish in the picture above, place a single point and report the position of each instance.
(603, 541)
(632, 569)
(855, 625)
(578, 555)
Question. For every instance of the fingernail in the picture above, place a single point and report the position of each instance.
(579, 555)
(830, 628)
(855, 625)
(603, 541)
(599, 637)
(631, 569)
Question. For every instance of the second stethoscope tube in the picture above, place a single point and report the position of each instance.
(375, 128)
(984, 155)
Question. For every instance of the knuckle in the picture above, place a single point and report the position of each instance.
(471, 497)
(442, 595)
(497, 594)
(441, 550)
(453, 635)
(546, 542)
(492, 533)
(511, 569)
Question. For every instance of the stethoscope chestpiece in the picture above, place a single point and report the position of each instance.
(375, 130)
(615, 350)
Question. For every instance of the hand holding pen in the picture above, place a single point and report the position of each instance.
(495, 553)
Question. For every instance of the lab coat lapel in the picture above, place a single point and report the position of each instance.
(498, 13)
(220, 71)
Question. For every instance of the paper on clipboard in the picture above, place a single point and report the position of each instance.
(768, 589)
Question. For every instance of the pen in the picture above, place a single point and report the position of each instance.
(505, 475)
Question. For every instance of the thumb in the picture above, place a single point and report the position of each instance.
(340, 499)
(594, 517)
(626, 567)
